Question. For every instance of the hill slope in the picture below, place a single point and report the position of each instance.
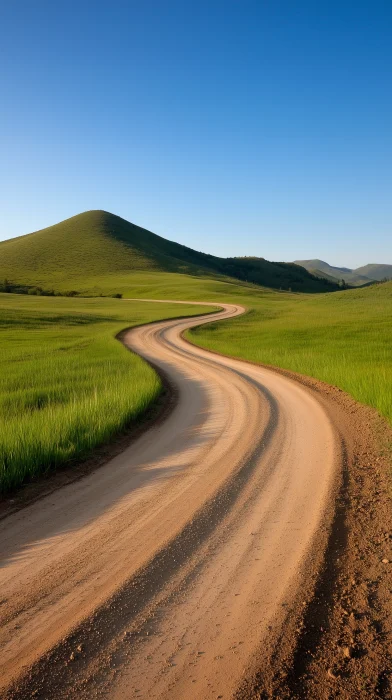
(96, 244)
(376, 272)
(355, 278)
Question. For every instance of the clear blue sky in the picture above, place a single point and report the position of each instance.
(235, 127)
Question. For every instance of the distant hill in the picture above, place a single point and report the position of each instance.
(96, 244)
(354, 277)
(376, 272)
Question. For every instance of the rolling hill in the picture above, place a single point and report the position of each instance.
(376, 272)
(355, 278)
(80, 253)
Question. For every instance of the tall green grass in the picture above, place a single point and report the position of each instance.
(344, 339)
(66, 383)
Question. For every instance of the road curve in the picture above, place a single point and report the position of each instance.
(163, 573)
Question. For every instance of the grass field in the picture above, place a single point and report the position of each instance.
(67, 384)
(344, 339)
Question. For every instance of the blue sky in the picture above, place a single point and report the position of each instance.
(235, 127)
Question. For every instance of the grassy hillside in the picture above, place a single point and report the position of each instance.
(354, 278)
(67, 384)
(376, 272)
(344, 339)
(81, 253)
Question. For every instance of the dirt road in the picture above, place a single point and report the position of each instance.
(167, 571)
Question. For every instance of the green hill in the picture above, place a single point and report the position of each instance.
(356, 278)
(319, 268)
(376, 272)
(85, 251)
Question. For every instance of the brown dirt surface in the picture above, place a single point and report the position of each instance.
(341, 646)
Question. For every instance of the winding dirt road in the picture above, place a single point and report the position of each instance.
(164, 573)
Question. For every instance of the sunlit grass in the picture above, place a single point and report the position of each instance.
(344, 339)
(66, 383)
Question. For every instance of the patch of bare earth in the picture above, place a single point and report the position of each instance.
(341, 644)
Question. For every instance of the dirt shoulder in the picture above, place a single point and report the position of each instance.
(338, 638)
(342, 646)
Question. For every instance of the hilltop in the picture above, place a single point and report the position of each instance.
(87, 248)
(354, 277)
